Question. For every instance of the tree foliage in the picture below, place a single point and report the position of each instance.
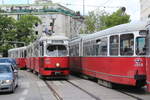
(117, 18)
(7, 32)
(25, 26)
(99, 20)
(20, 31)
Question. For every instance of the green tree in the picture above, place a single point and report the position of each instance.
(25, 28)
(117, 18)
(19, 31)
(99, 20)
(7, 33)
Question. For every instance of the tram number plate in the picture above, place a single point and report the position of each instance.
(57, 73)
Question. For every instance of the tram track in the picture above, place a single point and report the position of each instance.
(58, 97)
(96, 98)
(55, 93)
(130, 95)
(93, 96)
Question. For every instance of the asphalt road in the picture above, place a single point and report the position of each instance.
(30, 88)
(33, 88)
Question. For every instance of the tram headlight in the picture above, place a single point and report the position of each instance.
(57, 64)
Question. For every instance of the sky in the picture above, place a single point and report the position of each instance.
(132, 6)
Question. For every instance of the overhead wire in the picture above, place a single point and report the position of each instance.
(69, 4)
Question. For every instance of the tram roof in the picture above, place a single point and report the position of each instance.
(123, 28)
(19, 48)
(53, 37)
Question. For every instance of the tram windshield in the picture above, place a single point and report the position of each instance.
(140, 46)
(56, 50)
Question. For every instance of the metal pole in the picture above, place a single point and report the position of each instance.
(27, 1)
(83, 8)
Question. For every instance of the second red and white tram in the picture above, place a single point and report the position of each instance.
(48, 56)
(148, 56)
(115, 55)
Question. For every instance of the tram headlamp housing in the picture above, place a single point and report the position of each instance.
(57, 64)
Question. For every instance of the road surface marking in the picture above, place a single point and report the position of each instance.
(25, 92)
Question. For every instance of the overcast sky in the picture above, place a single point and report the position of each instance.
(132, 6)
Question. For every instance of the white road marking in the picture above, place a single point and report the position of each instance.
(25, 92)
(22, 98)
(25, 84)
(57, 83)
(41, 84)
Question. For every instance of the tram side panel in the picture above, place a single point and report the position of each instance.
(75, 65)
(21, 62)
(148, 59)
(148, 73)
(37, 64)
(75, 62)
(120, 70)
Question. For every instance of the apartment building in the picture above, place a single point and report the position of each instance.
(145, 9)
(55, 17)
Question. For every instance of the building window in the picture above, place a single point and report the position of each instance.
(36, 32)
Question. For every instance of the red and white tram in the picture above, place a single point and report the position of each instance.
(115, 55)
(48, 56)
(148, 57)
(20, 56)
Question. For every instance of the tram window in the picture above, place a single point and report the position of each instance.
(25, 53)
(70, 51)
(102, 47)
(77, 50)
(127, 44)
(140, 46)
(62, 50)
(114, 44)
(57, 50)
(41, 48)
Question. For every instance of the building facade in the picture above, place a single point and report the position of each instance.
(55, 17)
(145, 9)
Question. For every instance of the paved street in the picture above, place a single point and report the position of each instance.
(30, 88)
(33, 88)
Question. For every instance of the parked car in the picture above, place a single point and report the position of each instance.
(9, 60)
(8, 77)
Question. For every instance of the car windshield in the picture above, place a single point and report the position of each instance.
(5, 69)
